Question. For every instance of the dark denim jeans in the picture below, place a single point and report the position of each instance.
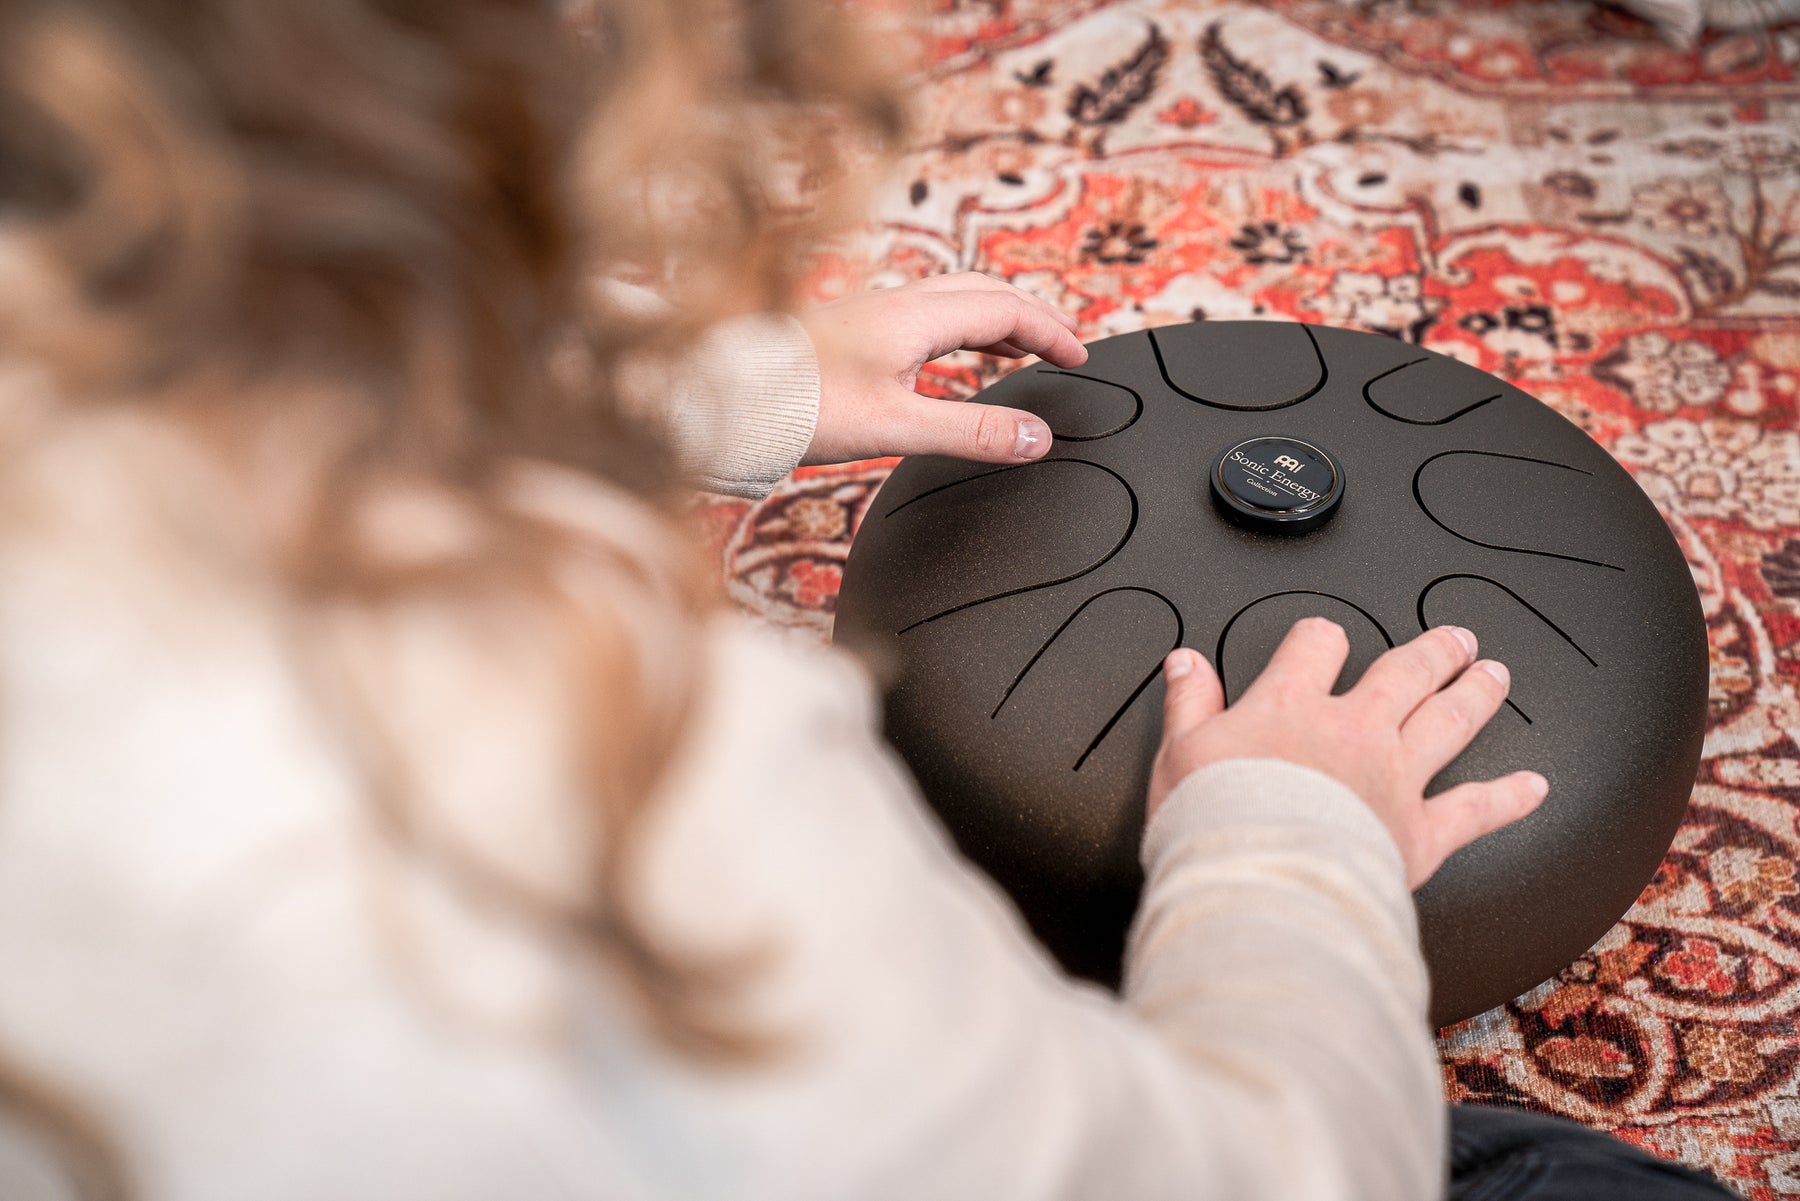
(1511, 1155)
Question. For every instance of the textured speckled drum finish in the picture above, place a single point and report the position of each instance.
(1022, 613)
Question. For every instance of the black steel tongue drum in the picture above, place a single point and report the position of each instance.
(1211, 484)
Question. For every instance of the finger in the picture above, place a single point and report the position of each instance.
(1448, 721)
(1458, 816)
(955, 320)
(1308, 659)
(1004, 350)
(1193, 693)
(981, 433)
(976, 281)
(1396, 683)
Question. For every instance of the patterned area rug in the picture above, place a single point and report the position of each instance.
(1543, 189)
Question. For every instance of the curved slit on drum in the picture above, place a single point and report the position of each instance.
(1069, 621)
(1414, 420)
(967, 479)
(1180, 632)
(1324, 375)
(1130, 528)
(1419, 499)
(1529, 607)
(1117, 429)
(1219, 652)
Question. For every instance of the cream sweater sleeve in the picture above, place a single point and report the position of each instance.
(744, 404)
(1277, 948)
(740, 407)
(210, 941)
(1271, 1041)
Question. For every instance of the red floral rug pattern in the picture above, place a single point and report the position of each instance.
(1543, 189)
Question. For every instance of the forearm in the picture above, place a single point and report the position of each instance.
(1271, 1044)
(1276, 947)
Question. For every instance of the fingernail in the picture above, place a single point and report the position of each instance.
(1465, 637)
(1178, 664)
(1033, 439)
(1539, 787)
(1498, 671)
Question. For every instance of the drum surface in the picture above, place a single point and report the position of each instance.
(1209, 485)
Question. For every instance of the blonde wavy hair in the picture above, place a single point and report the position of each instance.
(389, 217)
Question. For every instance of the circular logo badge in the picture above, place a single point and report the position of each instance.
(1280, 484)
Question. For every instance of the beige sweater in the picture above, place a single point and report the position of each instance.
(203, 935)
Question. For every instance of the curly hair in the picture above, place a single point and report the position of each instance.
(374, 230)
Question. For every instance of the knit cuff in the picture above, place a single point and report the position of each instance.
(1243, 794)
(746, 405)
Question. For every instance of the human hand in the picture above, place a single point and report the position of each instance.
(1412, 712)
(872, 346)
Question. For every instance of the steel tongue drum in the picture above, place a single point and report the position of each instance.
(1211, 484)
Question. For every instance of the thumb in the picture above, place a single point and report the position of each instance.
(1194, 692)
(964, 430)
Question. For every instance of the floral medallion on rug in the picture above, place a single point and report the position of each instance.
(1542, 188)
